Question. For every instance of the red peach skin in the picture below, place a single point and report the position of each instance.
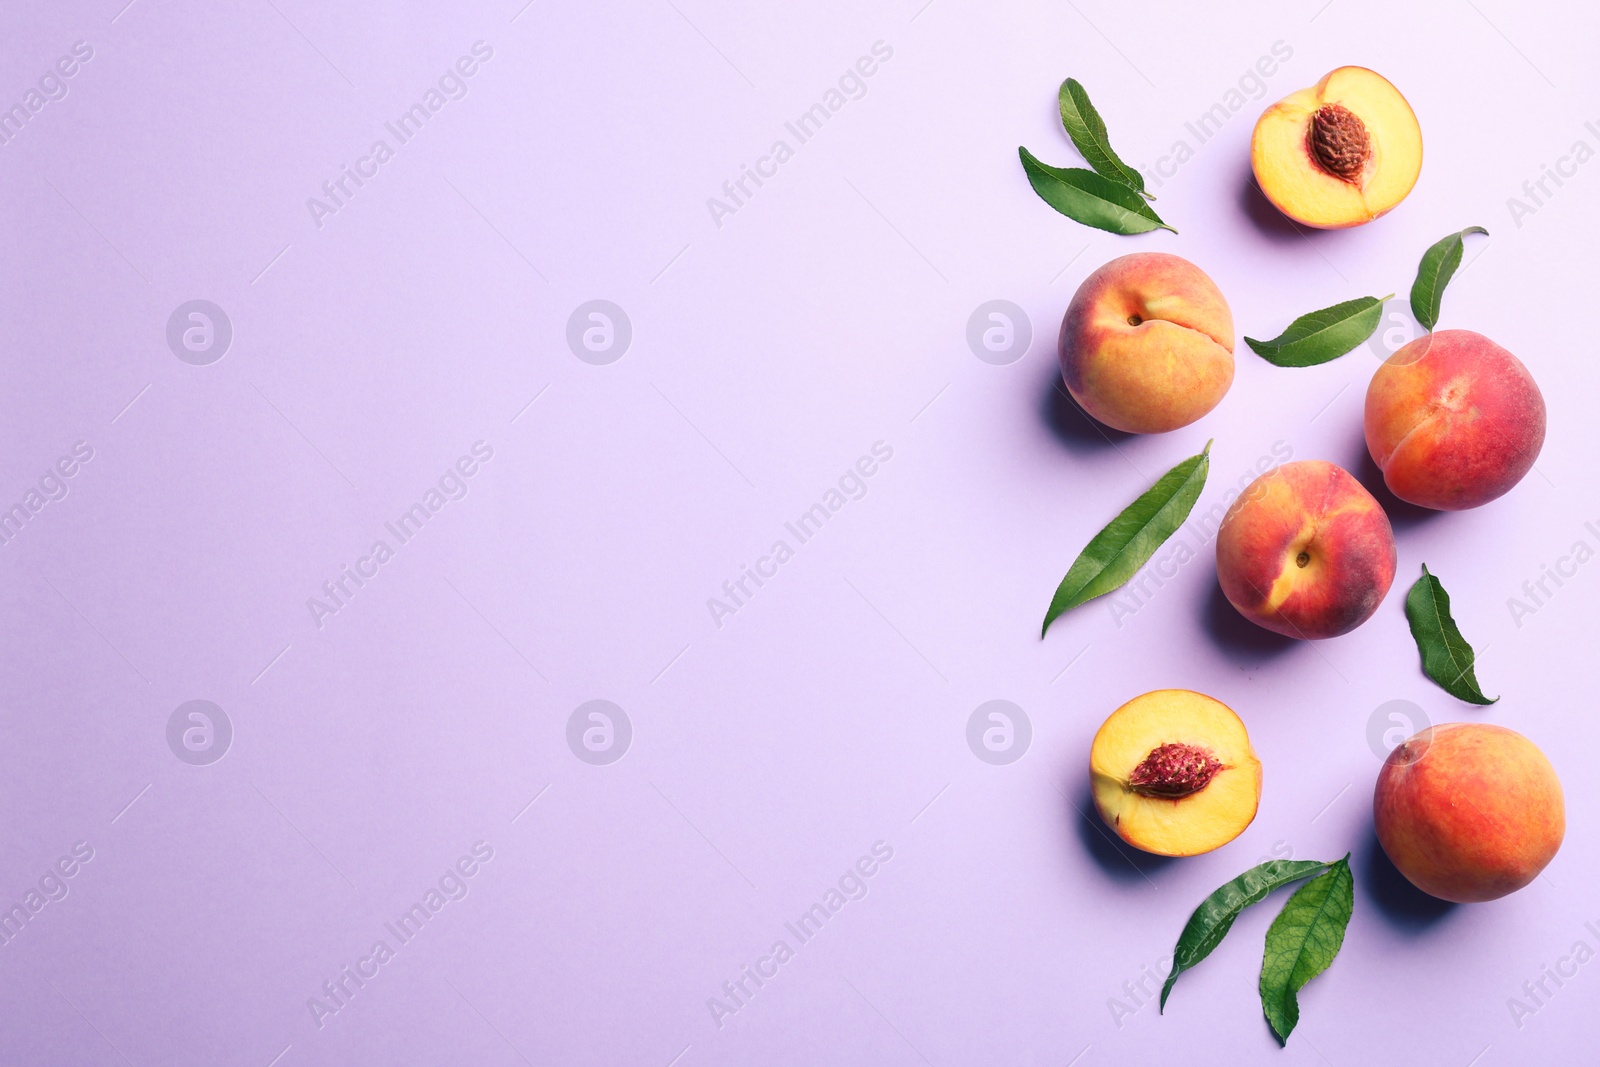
(1469, 811)
(1453, 420)
(1306, 551)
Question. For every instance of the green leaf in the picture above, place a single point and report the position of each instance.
(1214, 917)
(1302, 942)
(1446, 656)
(1319, 336)
(1086, 197)
(1438, 266)
(1088, 133)
(1117, 552)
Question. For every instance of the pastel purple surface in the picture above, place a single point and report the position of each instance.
(545, 499)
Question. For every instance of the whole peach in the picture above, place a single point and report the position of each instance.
(1469, 811)
(1453, 420)
(1306, 551)
(1147, 343)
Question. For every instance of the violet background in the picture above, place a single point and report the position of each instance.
(767, 355)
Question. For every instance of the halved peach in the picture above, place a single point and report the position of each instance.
(1340, 153)
(1173, 773)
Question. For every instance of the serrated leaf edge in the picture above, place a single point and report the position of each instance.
(1291, 995)
(1314, 868)
(1096, 153)
(1467, 676)
(1202, 466)
(1032, 163)
(1278, 344)
(1448, 245)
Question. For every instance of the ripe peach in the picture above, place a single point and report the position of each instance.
(1469, 811)
(1306, 551)
(1147, 343)
(1173, 773)
(1340, 153)
(1453, 420)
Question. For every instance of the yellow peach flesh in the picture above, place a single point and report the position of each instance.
(1302, 188)
(1183, 826)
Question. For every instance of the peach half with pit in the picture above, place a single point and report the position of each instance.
(1173, 773)
(1306, 551)
(1469, 811)
(1453, 420)
(1147, 343)
(1340, 153)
